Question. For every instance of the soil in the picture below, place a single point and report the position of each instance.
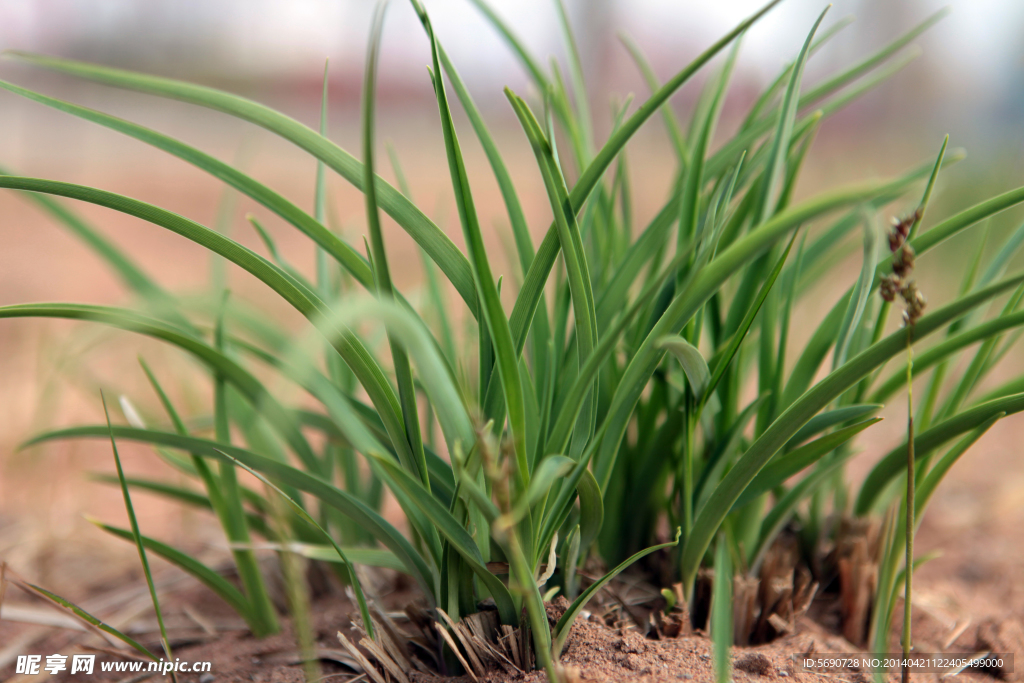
(203, 629)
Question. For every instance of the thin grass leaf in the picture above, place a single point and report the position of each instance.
(381, 271)
(561, 631)
(782, 467)
(787, 117)
(364, 610)
(84, 616)
(797, 415)
(493, 314)
(223, 588)
(861, 291)
(721, 612)
(137, 539)
(407, 215)
(890, 466)
(280, 472)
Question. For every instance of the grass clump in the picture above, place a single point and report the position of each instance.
(611, 402)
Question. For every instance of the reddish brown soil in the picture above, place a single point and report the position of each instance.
(593, 652)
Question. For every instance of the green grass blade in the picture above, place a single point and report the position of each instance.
(320, 196)
(782, 467)
(382, 273)
(931, 480)
(223, 588)
(351, 260)
(787, 117)
(893, 463)
(133, 277)
(861, 291)
(370, 557)
(279, 472)
(579, 89)
(831, 418)
(693, 363)
(672, 125)
(797, 415)
(137, 539)
(721, 612)
(564, 624)
(85, 616)
(420, 228)
(364, 610)
(506, 352)
(946, 348)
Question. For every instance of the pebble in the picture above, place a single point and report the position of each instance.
(207, 678)
(784, 674)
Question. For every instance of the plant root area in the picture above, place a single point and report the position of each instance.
(605, 643)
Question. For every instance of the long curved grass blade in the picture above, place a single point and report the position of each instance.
(128, 320)
(223, 588)
(381, 271)
(579, 89)
(787, 116)
(406, 214)
(931, 480)
(672, 124)
(358, 358)
(133, 277)
(493, 315)
(353, 262)
(136, 536)
(533, 284)
(782, 467)
(797, 415)
(561, 631)
(946, 348)
(364, 610)
(84, 616)
(831, 418)
(280, 472)
(320, 195)
(696, 293)
(693, 363)
(892, 464)
(370, 557)
(861, 291)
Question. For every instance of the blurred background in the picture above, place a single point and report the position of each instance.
(968, 82)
